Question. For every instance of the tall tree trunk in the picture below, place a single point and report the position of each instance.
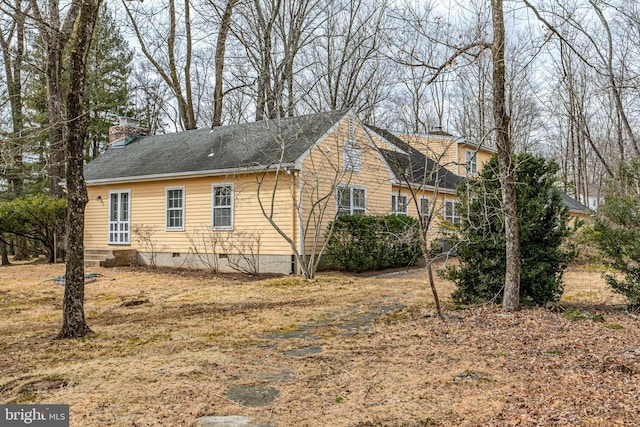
(4, 253)
(55, 35)
(511, 298)
(12, 54)
(56, 121)
(221, 44)
(74, 323)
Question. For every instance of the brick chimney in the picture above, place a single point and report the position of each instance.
(126, 131)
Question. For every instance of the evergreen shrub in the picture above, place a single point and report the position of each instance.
(361, 243)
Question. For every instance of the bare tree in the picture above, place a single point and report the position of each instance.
(347, 60)
(471, 45)
(12, 44)
(601, 43)
(511, 298)
(74, 324)
(221, 45)
(55, 31)
(160, 45)
(273, 33)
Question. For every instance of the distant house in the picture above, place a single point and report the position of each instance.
(576, 209)
(593, 198)
(252, 196)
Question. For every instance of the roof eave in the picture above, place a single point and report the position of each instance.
(191, 174)
(418, 186)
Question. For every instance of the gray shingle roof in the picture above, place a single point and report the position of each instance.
(414, 166)
(219, 149)
(572, 204)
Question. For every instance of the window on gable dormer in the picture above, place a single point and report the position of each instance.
(471, 161)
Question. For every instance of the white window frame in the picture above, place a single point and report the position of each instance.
(120, 229)
(351, 158)
(396, 204)
(361, 210)
(214, 207)
(471, 161)
(424, 216)
(179, 209)
(454, 217)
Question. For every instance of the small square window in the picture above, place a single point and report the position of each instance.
(399, 204)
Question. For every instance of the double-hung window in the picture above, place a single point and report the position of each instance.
(424, 212)
(222, 207)
(471, 161)
(399, 204)
(175, 208)
(351, 200)
(452, 212)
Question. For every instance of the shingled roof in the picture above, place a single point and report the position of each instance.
(572, 204)
(409, 164)
(202, 151)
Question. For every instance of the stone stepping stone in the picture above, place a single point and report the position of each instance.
(252, 395)
(305, 351)
(283, 376)
(228, 421)
(298, 333)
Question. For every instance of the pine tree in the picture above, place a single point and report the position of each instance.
(543, 221)
(107, 90)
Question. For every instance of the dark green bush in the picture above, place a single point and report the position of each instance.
(616, 232)
(543, 221)
(38, 218)
(360, 243)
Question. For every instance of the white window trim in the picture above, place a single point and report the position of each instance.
(396, 205)
(424, 216)
(166, 208)
(456, 211)
(128, 234)
(351, 188)
(213, 200)
(471, 161)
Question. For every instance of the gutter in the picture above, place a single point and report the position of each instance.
(190, 174)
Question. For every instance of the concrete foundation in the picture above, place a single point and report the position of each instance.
(226, 263)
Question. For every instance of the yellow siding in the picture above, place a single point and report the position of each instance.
(148, 208)
(443, 150)
(446, 151)
(435, 226)
(322, 170)
(482, 156)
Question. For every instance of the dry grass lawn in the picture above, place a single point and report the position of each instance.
(374, 358)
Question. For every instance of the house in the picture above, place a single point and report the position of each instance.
(594, 198)
(258, 197)
(246, 196)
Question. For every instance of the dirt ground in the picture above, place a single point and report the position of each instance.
(170, 347)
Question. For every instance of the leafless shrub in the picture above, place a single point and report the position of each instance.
(144, 236)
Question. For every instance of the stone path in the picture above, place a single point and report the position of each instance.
(348, 322)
